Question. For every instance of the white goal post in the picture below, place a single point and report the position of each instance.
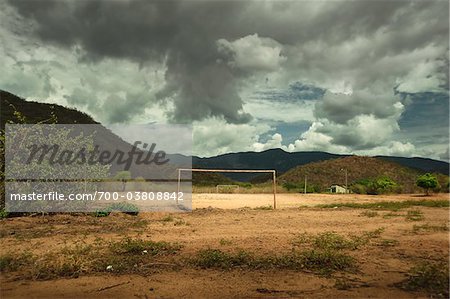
(274, 175)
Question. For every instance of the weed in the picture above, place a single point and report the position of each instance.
(139, 223)
(320, 261)
(264, 208)
(390, 205)
(224, 242)
(11, 262)
(415, 215)
(168, 218)
(3, 213)
(342, 284)
(431, 277)
(77, 249)
(326, 261)
(331, 240)
(180, 222)
(101, 213)
(49, 269)
(369, 214)
(391, 215)
(334, 241)
(138, 246)
(432, 228)
(215, 258)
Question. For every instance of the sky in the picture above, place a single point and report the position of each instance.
(354, 77)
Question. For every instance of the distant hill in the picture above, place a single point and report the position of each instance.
(322, 175)
(282, 161)
(422, 164)
(210, 179)
(276, 159)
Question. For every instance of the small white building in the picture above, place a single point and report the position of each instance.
(338, 189)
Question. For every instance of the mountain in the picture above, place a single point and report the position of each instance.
(276, 159)
(422, 164)
(282, 161)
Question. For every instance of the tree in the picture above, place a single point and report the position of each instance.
(427, 182)
(123, 176)
(42, 176)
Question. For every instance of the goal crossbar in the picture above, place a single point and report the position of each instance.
(274, 176)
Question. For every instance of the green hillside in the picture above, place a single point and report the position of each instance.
(35, 112)
(360, 170)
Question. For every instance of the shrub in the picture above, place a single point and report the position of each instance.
(381, 185)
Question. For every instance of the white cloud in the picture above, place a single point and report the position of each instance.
(253, 53)
(214, 136)
(314, 140)
(424, 77)
(274, 142)
(393, 148)
(280, 111)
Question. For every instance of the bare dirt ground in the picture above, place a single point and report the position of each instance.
(382, 263)
(291, 200)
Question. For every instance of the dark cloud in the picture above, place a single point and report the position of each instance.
(297, 91)
(359, 58)
(184, 35)
(181, 34)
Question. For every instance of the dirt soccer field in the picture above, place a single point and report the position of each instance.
(234, 246)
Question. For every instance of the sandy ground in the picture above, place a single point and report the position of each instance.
(261, 231)
(290, 200)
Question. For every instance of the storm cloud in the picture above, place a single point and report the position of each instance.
(343, 66)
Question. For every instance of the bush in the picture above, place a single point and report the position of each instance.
(358, 188)
(380, 185)
(3, 213)
(289, 186)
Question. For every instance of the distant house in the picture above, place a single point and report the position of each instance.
(337, 189)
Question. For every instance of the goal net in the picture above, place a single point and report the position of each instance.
(231, 186)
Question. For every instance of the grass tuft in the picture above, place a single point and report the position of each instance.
(137, 246)
(430, 228)
(369, 214)
(168, 218)
(390, 205)
(415, 215)
(264, 208)
(430, 277)
(323, 262)
(334, 241)
(11, 262)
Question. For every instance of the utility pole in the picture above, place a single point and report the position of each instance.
(305, 184)
(346, 179)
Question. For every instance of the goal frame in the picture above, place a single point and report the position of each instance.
(274, 177)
